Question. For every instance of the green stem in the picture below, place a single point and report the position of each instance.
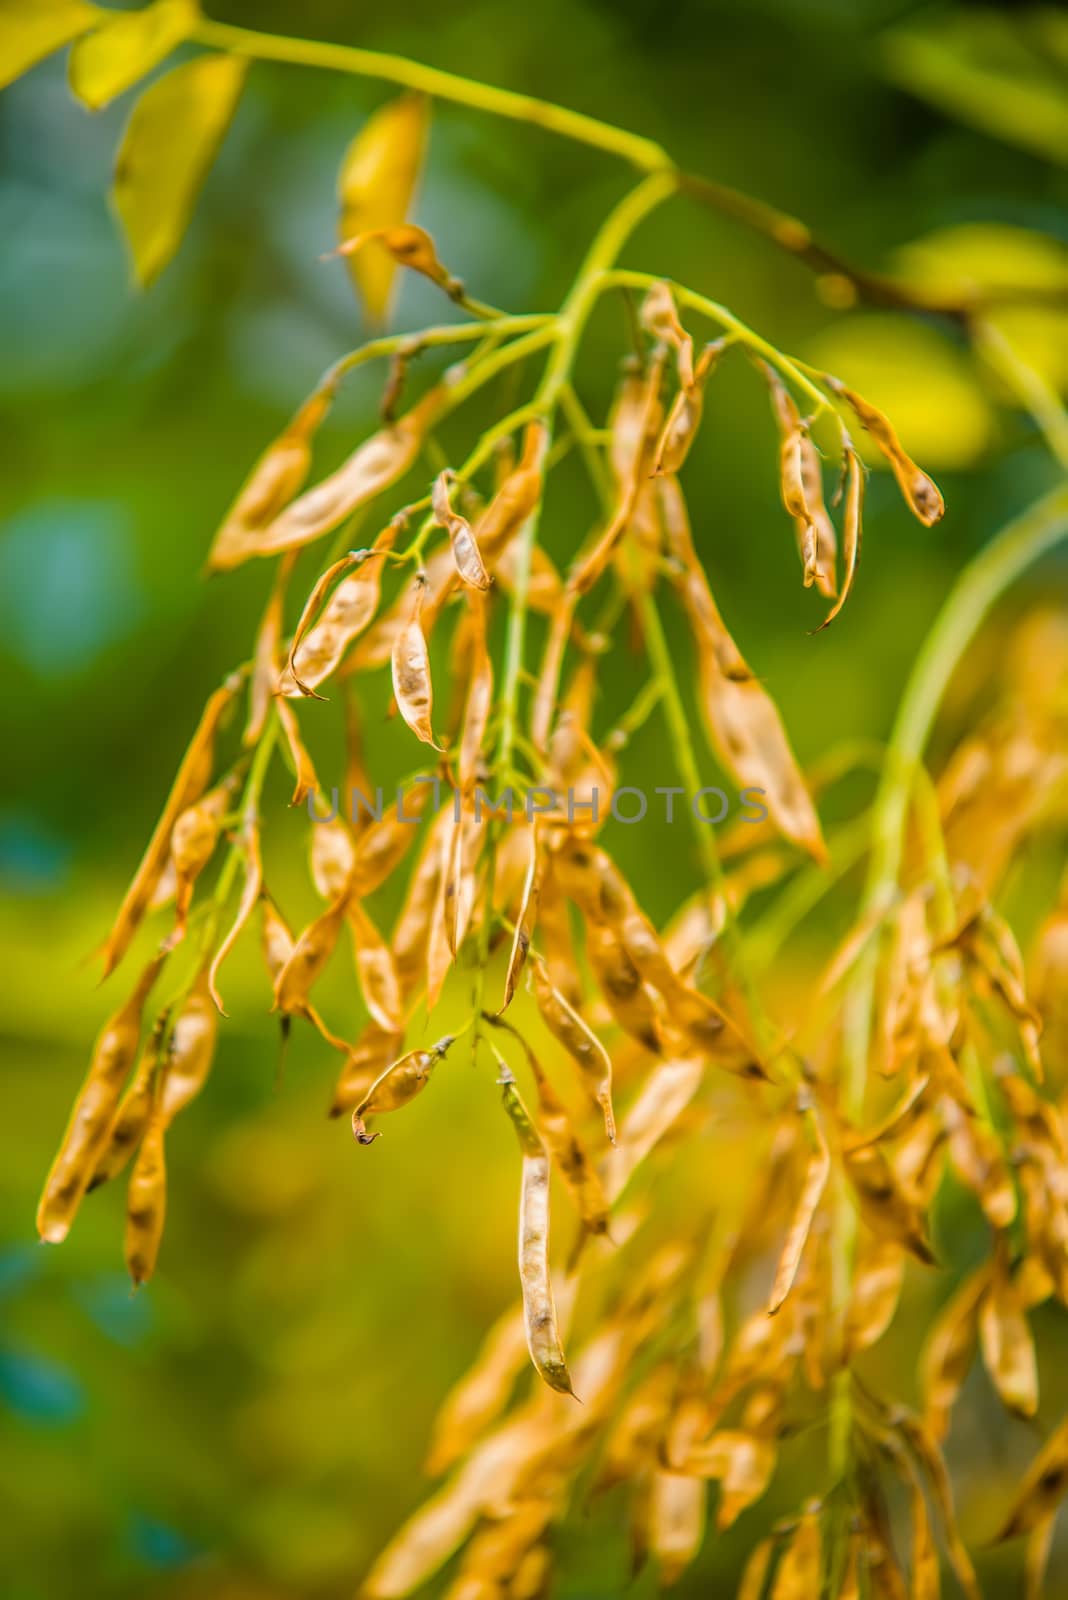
(726, 319)
(686, 761)
(445, 333)
(982, 583)
(644, 154)
(250, 804)
(608, 242)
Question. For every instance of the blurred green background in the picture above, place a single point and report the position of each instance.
(252, 1423)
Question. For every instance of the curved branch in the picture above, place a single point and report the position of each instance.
(787, 232)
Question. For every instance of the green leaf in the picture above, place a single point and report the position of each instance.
(30, 30)
(170, 142)
(128, 45)
(980, 67)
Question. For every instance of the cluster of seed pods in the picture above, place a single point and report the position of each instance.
(684, 1378)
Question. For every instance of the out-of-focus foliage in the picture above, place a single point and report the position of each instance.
(252, 1423)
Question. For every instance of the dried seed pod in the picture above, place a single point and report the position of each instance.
(375, 466)
(290, 682)
(824, 538)
(817, 1172)
(276, 939)
(544, 585)
(539, 1309)
(385, 842)
(364, 1063)
(411, 247)
(676, 1518)
(578, 1039)
(1036, 1558)
(921, 493)
(635, 1440)
(567, 1149)
(481, 1394)
(190, 783)
(517, 498)
(975, 1152)
(755, 1573)
(135, 1109)
(264, 678)
(374, 965)
(989, 943)
(459, 886)
(499, 1549)
(684, 418)
(193, 840)
(318, 650)
(411, 932)
(375, 186)
(307, 781)
(743, 725)
(190, 1050)
(948, 1351)
(432, 1535)
(524, 925)
(923, 1562)
(1049, 987)
(554, 935)
(741, 1462)
(441, 933)
(637, 420)
(877, 1280)
(309, 956)
(94, 1110)
(544, 705)
(664, 1096)
(852, 532)
(801, 487)
(402, 1080)
(629, 1000)
(883, 1205)
(660, 318)
(595, 883)
(1006, 1343)
(412, 685)
(331, 857)
(1043, 1487)
(798, 1574)
(277, 476)
(146, 1204)
(479, 702)
(465, 551)
(376, 646)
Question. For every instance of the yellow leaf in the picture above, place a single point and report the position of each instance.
(30, 30)
(375, 187)
(170, 142)
(917, 377)
(991, 256)
(126, 47)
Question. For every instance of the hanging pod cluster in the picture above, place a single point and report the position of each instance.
(740, 1225)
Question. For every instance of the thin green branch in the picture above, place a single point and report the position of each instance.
(726, 319)
(644, 154)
